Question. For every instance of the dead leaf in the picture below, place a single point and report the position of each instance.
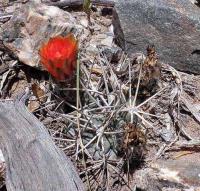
(38, 92)
(33, 105)
(96, 71)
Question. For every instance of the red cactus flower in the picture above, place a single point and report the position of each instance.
(59, 56)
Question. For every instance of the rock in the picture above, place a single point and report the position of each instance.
(171, 175)
(33, 24)
(172, 26)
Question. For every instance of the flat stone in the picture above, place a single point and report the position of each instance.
(172, 26)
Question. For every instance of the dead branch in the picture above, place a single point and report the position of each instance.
(33, 162)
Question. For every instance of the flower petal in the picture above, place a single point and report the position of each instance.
(59, 55)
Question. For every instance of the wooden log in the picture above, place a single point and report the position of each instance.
(33, 162)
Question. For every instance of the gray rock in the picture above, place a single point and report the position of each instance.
(172, 26)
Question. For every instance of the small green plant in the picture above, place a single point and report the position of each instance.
(87, 8)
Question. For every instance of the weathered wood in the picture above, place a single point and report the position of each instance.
(33, 162)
